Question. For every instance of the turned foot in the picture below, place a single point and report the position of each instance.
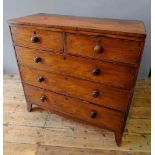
(118, 138)
(29, 107)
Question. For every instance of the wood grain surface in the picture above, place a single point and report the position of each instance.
(110, 97)
(41, 132)
(110, 26)
(75, 108)
(49, 44)
(112, 49)
(46, 39)
(110, 73)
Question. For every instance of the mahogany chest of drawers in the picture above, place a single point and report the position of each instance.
(78, 67)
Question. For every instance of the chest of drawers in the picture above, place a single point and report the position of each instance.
(81, 68)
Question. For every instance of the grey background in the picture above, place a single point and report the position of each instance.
(120, 9)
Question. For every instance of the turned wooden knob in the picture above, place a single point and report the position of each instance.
(34, 39)
(95, 93)
(98, 48)
(40, 79)
(96, 71)
(93, 114)
(37, 59)
(43, 98)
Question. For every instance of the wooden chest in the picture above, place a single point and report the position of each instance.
(81, 68)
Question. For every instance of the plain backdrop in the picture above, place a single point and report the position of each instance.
(119, 9)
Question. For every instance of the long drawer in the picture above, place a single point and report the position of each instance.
(93, 92)
(103, 48)
(75, 108)
(102, 72)
(37, 38)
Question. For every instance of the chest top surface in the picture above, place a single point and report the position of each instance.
(111, 26)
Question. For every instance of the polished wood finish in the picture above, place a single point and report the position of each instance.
(118, 137)
(104, 48)
(102, 72)
(43, 38)
(107, 26)
(36, 59)
(99, 94)
(43, 98)
(81, 68)
(98, 48)
(75, 108)
(95, 93)
(40, 79)
(34, 38)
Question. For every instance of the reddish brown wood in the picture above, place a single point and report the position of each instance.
(110, 73)
(46, 39)
(34, 38)
(88, 33)
(93, 114)
(95, 93)
(36, 59)
(43, 98)
(109, 49)
(98, 48)
(76, 108)
(96, 71)
(118, 137)
(110, 26)
(81, 68)
(29, 107)
(40, 79)
(108, 96)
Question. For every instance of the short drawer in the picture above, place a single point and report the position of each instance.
(101, 72)
(75, 108)
(103, 48)
(37, 38)
(93, 92)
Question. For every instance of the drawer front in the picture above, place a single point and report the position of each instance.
(106, 73)
(93, 92)
(75, 108)
(37, 38)
(103, 48)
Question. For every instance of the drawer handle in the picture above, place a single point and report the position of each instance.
(43, 98)
(34, 39)
(95, 93)
(98, 48)
(96, 71)
(40, 79)
(37, 59)
(93, 114)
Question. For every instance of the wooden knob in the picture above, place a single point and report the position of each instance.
(95, 93)
(40, 79)
(37, 59)
(93, 114)
(98, 48)
(43, 98)
(34, 39)
(96, 71)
